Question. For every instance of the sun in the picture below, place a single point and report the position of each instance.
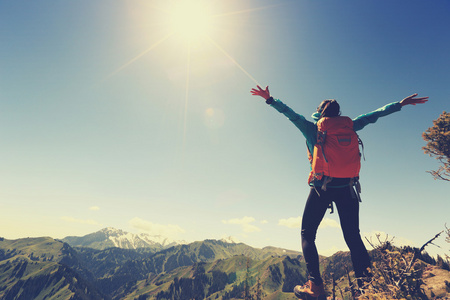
(197, 22)
(190, 19)
(200, 23)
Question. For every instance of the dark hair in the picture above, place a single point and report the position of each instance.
(329, 108)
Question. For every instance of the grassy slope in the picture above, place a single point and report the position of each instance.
(266, 270)
(30, 268)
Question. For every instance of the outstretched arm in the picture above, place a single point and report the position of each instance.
(366, 119)
(308, 128)
(413, 100)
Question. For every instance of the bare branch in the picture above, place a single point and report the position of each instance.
(430, 241)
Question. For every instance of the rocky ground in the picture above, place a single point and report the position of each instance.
(437, 283)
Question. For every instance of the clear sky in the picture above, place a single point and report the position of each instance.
(128, 114)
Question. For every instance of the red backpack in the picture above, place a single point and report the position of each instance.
(336, 153)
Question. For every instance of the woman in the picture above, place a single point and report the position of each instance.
(338, 190)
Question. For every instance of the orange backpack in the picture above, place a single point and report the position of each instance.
(336, 153)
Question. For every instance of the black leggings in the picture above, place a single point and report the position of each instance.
(348, 208)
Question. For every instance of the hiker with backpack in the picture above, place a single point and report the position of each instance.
(333, 150)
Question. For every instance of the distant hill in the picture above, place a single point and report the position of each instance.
(111, 237)
(35, 268)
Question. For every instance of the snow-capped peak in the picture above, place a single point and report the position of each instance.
(230, 240)
(123, 239)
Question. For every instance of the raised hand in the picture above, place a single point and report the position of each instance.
(413, 100)
(261, 92)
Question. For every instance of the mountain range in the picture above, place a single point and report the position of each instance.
(87, 268)
(45, 268)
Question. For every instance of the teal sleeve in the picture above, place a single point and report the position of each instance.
(308, 128)
(363, 120)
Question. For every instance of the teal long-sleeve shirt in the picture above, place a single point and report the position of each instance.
(309, 129)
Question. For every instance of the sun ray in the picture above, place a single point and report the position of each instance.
(138, 56)
(186, 96)
(233, 60)
(237, 12)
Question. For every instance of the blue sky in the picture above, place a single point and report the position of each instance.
(109, 118)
